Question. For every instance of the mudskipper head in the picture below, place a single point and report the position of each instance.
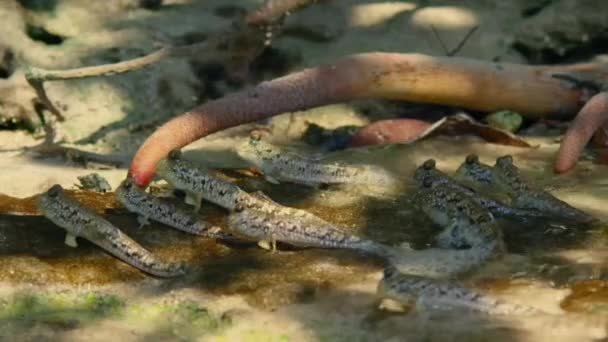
(126, 187)
(472, 170)
(255, 149)
(425, 172)
(504, 162)
(246, 150)
(48, 198)
(465, 170)
(128, 183)
(55, 191)
(166, 167)
(471, 159)
(175, 155)
(178, 171)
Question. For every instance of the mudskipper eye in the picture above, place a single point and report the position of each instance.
(175, 154)
(429, 164)
(389, 272)
(127, 183)
(472, 159)
(504, 160)
(55, 190)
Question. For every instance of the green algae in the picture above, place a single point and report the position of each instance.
(61, 307)
(67, 310)
(184, 319)
(180, 312)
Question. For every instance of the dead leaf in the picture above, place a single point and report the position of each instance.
(405, 131)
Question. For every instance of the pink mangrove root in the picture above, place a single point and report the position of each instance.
(536, 91)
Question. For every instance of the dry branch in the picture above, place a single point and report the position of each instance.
(237, 44)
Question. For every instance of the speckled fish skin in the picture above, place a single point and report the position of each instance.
(470, 236)
(289, 167)
(505, 177)
(441, 294)
(82, 222)
(138, 201)
(185, 176)
(466, 223)
(440, 263)
(429, 172)
(257, 217)
(305, 230)
(472, 170)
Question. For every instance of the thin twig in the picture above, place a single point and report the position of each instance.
(74, 154)
(37, 76)
(238, 44)
(438, 37)
(268, 14)
(42, 75)
(463, 41)
(454, 51)
(44, 99)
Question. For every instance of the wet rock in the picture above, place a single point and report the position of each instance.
(564, 29)
(533, 7)
(229, 11)
(322, 22)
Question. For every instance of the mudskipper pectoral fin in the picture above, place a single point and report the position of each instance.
(194, 200)
(264, 244)
(70, 240)
(143, 221)
(271, 179)
(392, 305)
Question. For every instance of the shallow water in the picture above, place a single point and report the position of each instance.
(566, 259)
(239, 292)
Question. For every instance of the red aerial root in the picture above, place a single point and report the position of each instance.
(451, 81)
(590, 118)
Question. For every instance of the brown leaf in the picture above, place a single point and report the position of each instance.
(405, 131)
(461, 123)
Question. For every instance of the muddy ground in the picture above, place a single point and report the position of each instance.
(237, 291)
